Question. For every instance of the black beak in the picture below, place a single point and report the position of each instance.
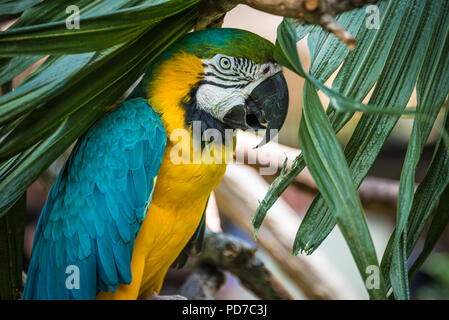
(267, 104)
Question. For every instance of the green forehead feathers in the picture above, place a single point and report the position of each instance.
(232, 42)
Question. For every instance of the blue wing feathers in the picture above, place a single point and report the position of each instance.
(97, 204)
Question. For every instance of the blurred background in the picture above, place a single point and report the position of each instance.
(333, 257)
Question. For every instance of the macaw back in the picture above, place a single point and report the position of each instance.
(96, 206)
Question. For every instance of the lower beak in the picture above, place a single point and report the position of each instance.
(267, 104)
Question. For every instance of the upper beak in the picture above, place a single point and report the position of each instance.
(267, 104)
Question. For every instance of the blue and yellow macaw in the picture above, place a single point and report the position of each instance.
(106, 220)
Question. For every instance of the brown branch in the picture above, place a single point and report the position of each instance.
(319, 12)
(212, 13)
(231, 254)
(203, 283)
(237, 199)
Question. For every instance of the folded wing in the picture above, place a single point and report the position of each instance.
(85, 235)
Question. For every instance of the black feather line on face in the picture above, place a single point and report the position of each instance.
(226, 86)
(195, 113)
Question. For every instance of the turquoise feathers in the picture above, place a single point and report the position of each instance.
(97, 206)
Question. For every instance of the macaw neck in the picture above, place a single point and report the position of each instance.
(183, 171)
(170, 91)
(170, 85)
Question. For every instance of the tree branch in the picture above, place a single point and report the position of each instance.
(318, 12)
(203, 283)
(212, 13)
(237, 199)
(231, 254)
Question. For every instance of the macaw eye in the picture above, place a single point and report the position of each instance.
(225, 63)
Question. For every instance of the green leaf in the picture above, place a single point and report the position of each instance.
(48, 11)
(40, 86)
(30, 95)
(362, 66)
(397, 53)
(15, 6)
(12, 227)
(359, 83)
(432, 90)
(327, 51)
(286, 177)
(109, 78)
(286, 54)
(11, 68)
(327, 165)
(429, 190)
(365, 70)
(372, 130)
(96, 32)
(421, 130)
(285, 51)
(436, 229)
(426, 197)
(398, 269)
(329, 44)
(276, 188)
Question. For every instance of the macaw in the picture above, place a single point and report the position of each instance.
(121, 210)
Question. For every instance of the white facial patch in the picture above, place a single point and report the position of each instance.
(228, 82)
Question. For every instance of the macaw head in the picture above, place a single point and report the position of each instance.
(225, 78)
